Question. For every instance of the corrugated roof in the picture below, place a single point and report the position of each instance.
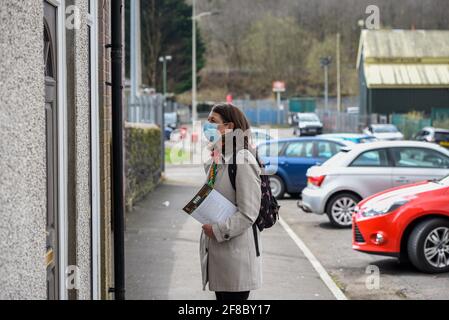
(405, 58)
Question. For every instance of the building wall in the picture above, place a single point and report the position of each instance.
(104, 70)
(82, 146)
(22, 152)
(388, 101)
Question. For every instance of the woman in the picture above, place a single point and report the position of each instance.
(229, 260)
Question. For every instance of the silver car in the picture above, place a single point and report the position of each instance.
(362, 170)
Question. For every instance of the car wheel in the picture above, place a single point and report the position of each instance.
(340, 209)
(428, 246)
(277, 187)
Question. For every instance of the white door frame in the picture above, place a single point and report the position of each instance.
(62, 147)
(95, 152)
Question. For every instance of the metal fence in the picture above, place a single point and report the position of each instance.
(148, 109)
(145, 108)
(343, 122)
(264, 112)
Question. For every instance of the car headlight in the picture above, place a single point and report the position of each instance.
(384, 207)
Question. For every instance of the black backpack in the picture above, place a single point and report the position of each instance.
(269, 208)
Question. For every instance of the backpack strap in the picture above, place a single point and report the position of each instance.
(232, 172)
(232, 169)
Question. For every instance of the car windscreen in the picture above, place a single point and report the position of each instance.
(308, 118)
(385, 129)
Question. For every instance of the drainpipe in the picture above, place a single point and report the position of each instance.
(117, 148)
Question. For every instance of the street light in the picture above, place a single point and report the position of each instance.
(164, 60)
(325, 62)
(195, 17)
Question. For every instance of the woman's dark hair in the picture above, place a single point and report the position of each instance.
(230, 113)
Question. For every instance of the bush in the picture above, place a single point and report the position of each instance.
(143, 161)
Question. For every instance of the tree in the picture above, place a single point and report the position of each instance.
(275, 49)
(167, 30)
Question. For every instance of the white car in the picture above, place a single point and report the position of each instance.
(362, 170)
(384, 132)
(307, 124)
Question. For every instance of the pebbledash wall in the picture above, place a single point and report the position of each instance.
(22, 152)
(23, 169)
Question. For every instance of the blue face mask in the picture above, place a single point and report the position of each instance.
(211, 132)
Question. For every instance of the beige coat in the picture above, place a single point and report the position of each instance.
(229, 263)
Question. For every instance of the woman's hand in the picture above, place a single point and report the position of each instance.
(207, 228)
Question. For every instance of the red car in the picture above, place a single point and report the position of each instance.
(409, 222)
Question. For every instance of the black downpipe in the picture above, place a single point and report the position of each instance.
(117, 147)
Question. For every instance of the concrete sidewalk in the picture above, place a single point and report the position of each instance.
(162, 251)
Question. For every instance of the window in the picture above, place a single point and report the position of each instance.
(441, 136)
(372, 158)
(269, 149)
(419, 158)
(326, 149)
(300, 149)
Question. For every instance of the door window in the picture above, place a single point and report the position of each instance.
(419, 158)
(326, 149)
(372, 158)
(303, 149)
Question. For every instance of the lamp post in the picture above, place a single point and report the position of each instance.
(164, 60)
(325, 62)
(195, 17)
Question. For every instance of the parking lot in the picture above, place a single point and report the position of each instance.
(353, 271)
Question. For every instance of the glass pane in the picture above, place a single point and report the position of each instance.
(373, 158)
(299, 149)
(327, 149)
(420, 158)
(269, 149)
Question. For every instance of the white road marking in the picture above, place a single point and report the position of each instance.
(336, 291)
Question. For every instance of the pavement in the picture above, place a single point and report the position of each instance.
(162, 251)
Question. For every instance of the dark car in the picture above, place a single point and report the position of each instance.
(435, 135)
(287, 161)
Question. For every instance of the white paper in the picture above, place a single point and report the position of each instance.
(214, 209)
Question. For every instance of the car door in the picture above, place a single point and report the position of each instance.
(412, 164)
(296, 158)
(369, 172)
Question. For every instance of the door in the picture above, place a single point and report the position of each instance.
(370, 172)
(51, 118)
(418, 164)
(296, 159)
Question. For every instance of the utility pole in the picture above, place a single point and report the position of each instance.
(136, 61)
(195, 17)
(194, 102)
(338, 74)
(325, 62)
